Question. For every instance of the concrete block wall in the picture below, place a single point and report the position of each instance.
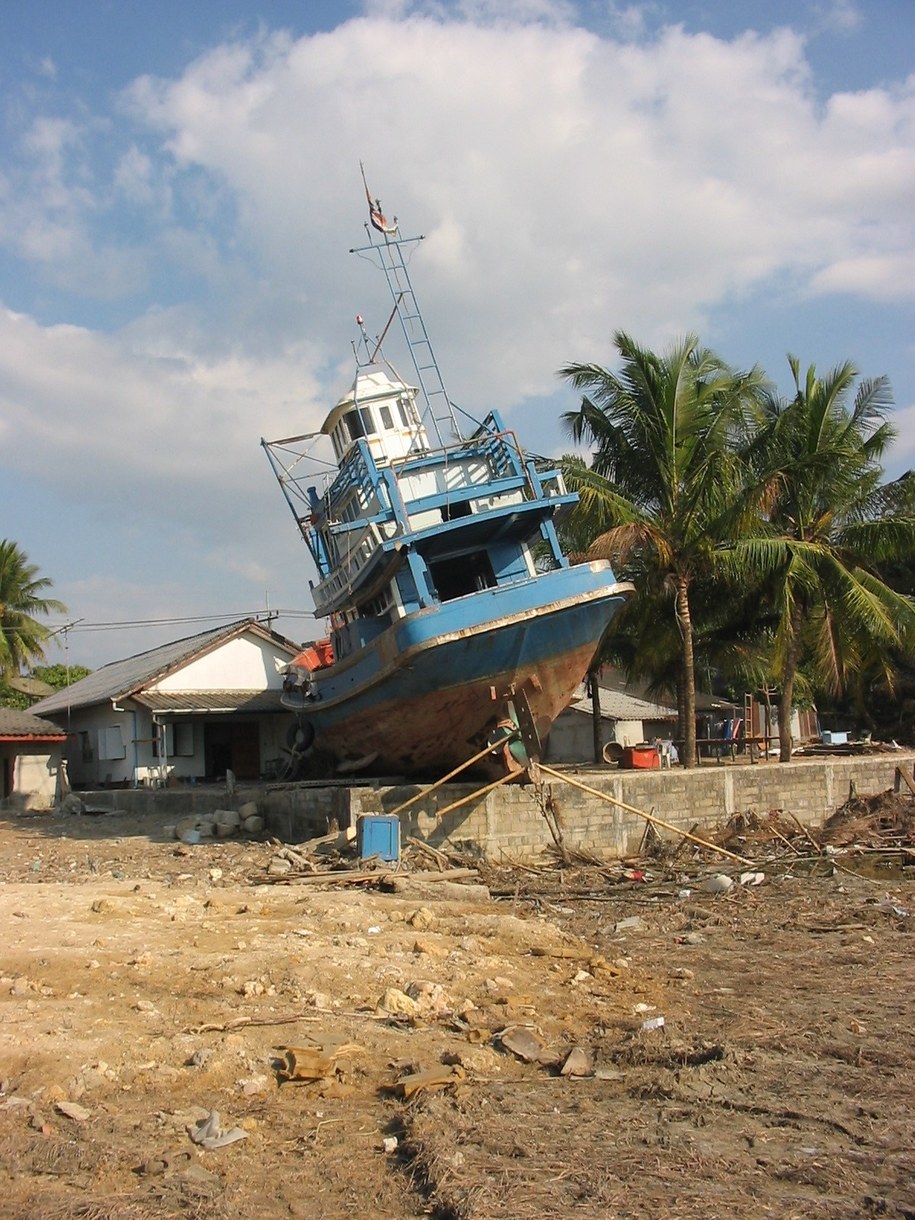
(508, 823)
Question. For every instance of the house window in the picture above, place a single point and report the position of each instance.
(111, 743)
(184, 739)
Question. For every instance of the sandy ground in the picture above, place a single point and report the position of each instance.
(145, 985)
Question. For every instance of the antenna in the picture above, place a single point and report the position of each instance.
(439, 408)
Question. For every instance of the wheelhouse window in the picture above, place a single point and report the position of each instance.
(462, 575)
(359, 422)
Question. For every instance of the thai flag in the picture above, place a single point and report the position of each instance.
(377, 217)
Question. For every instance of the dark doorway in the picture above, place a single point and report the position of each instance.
(231, 745)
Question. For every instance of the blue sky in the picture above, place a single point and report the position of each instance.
(179, 190)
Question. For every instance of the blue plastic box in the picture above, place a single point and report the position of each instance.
(378, 835)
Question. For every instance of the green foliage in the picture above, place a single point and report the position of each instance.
(662, 493)
(14, 698)
(22, 597)
(60, 676)
(764, 523)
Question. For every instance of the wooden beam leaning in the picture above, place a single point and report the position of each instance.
(418, 796)
(683, 834)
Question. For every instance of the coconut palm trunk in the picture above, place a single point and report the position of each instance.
(789, 673)
(596, 721)
(685, 623)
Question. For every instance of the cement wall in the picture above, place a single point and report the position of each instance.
(508, 822)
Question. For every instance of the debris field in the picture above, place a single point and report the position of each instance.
(195, 1030)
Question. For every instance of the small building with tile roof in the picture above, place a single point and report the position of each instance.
(31, 749)
(625, 718)
(187, 711)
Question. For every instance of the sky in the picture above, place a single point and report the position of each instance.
(180, 189)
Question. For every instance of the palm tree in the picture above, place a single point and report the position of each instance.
(665, 475)
(22, 591)
(832, 523)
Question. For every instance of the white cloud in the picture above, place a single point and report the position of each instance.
(549, 166)
(153, 419)
(568, 185)
(843, 16)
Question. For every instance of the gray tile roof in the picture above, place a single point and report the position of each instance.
(617, 705)
(120, 679)
(212, 701)
(14, 723)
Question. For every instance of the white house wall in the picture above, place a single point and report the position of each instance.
(84, 766)
(628, 732)
(35, 773)
(245, 663)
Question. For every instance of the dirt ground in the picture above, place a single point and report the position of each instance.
(146, 984)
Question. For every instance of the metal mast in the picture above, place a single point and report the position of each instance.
(439, 409)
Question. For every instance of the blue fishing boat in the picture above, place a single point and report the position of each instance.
(455, 621)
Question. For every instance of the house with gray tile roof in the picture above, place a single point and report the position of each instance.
(31, 749)
(187, 711)
(625, 718)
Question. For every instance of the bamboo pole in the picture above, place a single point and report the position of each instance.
(567, 779)
(418, 796)
(797, 851)
(503, 779)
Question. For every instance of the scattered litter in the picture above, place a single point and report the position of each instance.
(893, 908)
(578, 1062)
(208, 1133)
(390, 1143)
(651, 1023)
(720, 883)
(523, 1042)
(752, 878)
(431, 1078)
(306, 1064)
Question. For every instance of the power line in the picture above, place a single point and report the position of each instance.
(125, 624)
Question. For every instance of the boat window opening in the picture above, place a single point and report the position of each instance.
(409, 416)
(368, 422)
(376, 607)
(386, 419)
(451, 511)
(354, 425)
(459, 576)
(339, 440)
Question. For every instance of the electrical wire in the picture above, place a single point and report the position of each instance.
(125, 624)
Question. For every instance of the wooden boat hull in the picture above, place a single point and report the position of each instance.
(422, 698)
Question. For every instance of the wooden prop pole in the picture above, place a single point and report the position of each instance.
(418, 796)
(684, 834)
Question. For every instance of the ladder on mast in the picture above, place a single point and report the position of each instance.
(439, 409)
